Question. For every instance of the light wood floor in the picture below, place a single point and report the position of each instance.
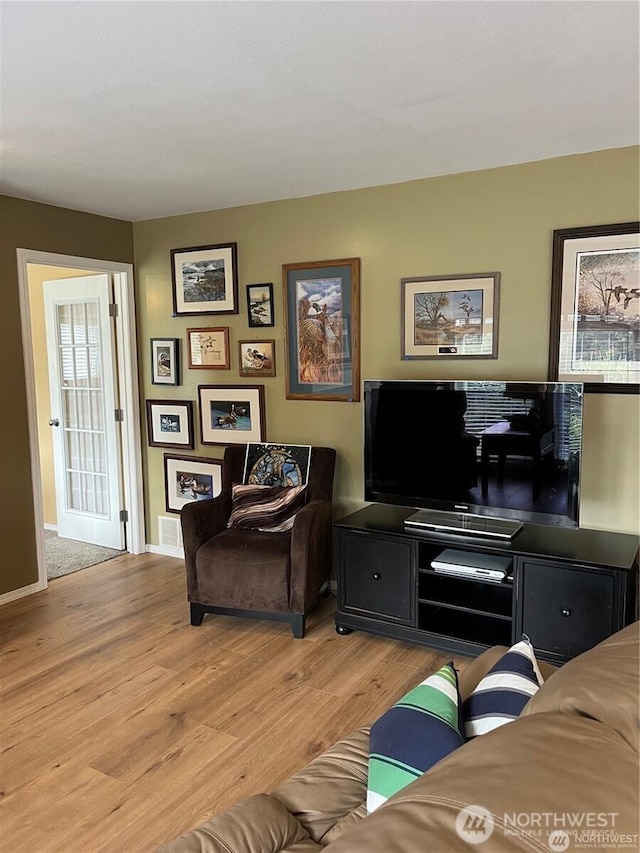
(122, 725)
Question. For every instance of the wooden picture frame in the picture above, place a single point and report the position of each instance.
(190, 478)
(170, 423)
(322, 322)
(165, 361)
(231, 414)
(450, 316)
(208, 348)
(260, 306)
(257, 358)
(205, 279)
(595, 307)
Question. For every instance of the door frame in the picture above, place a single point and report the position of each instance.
(127, 375)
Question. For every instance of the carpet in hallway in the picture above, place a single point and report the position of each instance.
(64, 556)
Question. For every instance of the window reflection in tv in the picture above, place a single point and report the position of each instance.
(502, 449)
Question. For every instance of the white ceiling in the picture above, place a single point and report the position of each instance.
(145, 109)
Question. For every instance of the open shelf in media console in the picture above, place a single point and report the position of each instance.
(471, 594)
(464, 625)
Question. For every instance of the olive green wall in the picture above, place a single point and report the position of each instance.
(498, 219)
(28, 225)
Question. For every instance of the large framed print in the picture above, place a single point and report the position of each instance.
(260, 305)
(450, 316)
(170, 423)
(208, 348)
(205, 279)
(190, 478)
(231, 414)
(322, 322)
(165, 361)
(595, 307)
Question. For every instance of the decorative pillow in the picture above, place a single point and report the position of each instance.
(420, 729)
(267, 508)
(504, 691)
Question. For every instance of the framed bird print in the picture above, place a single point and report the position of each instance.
(595, 307)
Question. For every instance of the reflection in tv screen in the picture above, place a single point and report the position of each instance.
(505, 449)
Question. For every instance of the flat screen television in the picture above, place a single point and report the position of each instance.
(477, 457)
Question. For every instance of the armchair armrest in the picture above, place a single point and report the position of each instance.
(310, 553)
(200, 520)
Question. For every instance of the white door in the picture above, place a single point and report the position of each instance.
(86, 436)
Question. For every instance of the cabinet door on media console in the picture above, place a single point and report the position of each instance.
(567, 610)
(377, 577)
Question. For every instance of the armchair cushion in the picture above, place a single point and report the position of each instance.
(266, 508)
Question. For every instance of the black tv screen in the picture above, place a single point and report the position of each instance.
(508, 450)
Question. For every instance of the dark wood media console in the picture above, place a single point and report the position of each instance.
(568, 588)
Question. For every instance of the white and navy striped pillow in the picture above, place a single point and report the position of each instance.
(504, 691)
(268, 508)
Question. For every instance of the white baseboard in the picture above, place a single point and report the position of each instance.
(53, 527)
(165, 550)
(14, 594)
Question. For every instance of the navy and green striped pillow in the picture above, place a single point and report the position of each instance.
(504, 691)
(420, 729)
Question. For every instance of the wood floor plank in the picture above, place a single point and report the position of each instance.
(122, 725)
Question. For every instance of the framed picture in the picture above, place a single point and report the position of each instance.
(257, 358)
(170, 423)
(208, 348)
(231, 414)
(165, 361)
(260, 305)
(277, 464)
(595, 307)
(205, 279)
(450, 316)
(190, 478)
(322, 321)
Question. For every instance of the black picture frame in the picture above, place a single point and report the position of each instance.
(205, 279)
(260, 313)
(165, 361)
(170, 423)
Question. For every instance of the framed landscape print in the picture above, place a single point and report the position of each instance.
(190, 478)
(595, 307)
(451, 316)
(322, 321)
(208, 348)
(205, 279)
(165, 361)
(170, 423)
(260, 305)
(257, 358)
(231, 414)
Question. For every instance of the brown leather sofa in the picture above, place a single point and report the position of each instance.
(564, 773)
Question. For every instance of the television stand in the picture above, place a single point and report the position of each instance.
(567, 588)
(471, 525)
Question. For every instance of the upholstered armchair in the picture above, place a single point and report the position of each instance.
(265, 575)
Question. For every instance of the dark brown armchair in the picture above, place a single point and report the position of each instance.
(252, 573)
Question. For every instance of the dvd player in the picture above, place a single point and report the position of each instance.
(467, 564)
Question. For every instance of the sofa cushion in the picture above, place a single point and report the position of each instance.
(502, 694)
(330, 789)
(531, 775)
(413, 735)
(259, 824)
(602, 683)
(265, 508)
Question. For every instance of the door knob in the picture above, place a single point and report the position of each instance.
(54, 422)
